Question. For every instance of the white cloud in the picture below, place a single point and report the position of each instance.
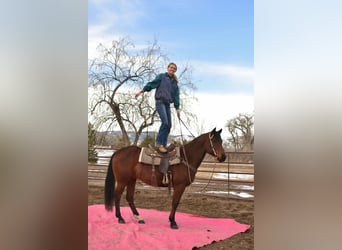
(214, 110)
(230, 71)
(111, 21)
(119, 13)
(99, 34)
(238, 74)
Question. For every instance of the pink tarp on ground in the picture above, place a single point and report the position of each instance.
(104, 231)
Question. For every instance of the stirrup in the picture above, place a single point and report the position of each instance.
(165, 179)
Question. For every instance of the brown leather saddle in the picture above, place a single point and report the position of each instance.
(152, 156)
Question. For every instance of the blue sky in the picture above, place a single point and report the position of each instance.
(215, 37)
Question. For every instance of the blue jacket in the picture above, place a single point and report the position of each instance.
(166, 89)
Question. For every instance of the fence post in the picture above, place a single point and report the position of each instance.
(228, 156)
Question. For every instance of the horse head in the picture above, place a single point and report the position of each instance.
(215, 142)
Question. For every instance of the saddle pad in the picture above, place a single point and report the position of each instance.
(146, 156)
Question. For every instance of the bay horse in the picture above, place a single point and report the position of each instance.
(124, 169)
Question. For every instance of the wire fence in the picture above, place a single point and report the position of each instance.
(233, 178)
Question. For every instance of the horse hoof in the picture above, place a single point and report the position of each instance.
(141, 222)
(121, 221)
(174, 226)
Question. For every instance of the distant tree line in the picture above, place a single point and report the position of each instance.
(240, 128)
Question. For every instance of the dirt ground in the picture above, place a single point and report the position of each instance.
(209, 206)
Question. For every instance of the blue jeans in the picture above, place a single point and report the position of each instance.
(164, 112)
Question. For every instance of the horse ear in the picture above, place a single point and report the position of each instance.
(219, 131)
(213, 131)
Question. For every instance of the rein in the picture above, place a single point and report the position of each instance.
(185, 156)
(212, 145)
(185, 127)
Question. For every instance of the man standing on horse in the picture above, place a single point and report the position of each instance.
(167, 92)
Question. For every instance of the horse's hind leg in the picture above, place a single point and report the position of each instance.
(117, 197)
(130, 199)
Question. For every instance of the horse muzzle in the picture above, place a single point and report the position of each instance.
(221, 158)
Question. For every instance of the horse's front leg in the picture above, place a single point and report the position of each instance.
(117, 197)
(130, 199)
(177, 194)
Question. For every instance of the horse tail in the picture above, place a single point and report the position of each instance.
(109, 187)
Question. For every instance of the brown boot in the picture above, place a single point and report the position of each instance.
(162, 149)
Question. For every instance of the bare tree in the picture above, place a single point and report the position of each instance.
(92, 154)
(241, 129)
(116, 75)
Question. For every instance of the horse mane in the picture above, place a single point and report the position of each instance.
(197, 146)
(197, 138)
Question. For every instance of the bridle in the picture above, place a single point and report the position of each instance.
(185, 161)
(210, 137)
(212, 145)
